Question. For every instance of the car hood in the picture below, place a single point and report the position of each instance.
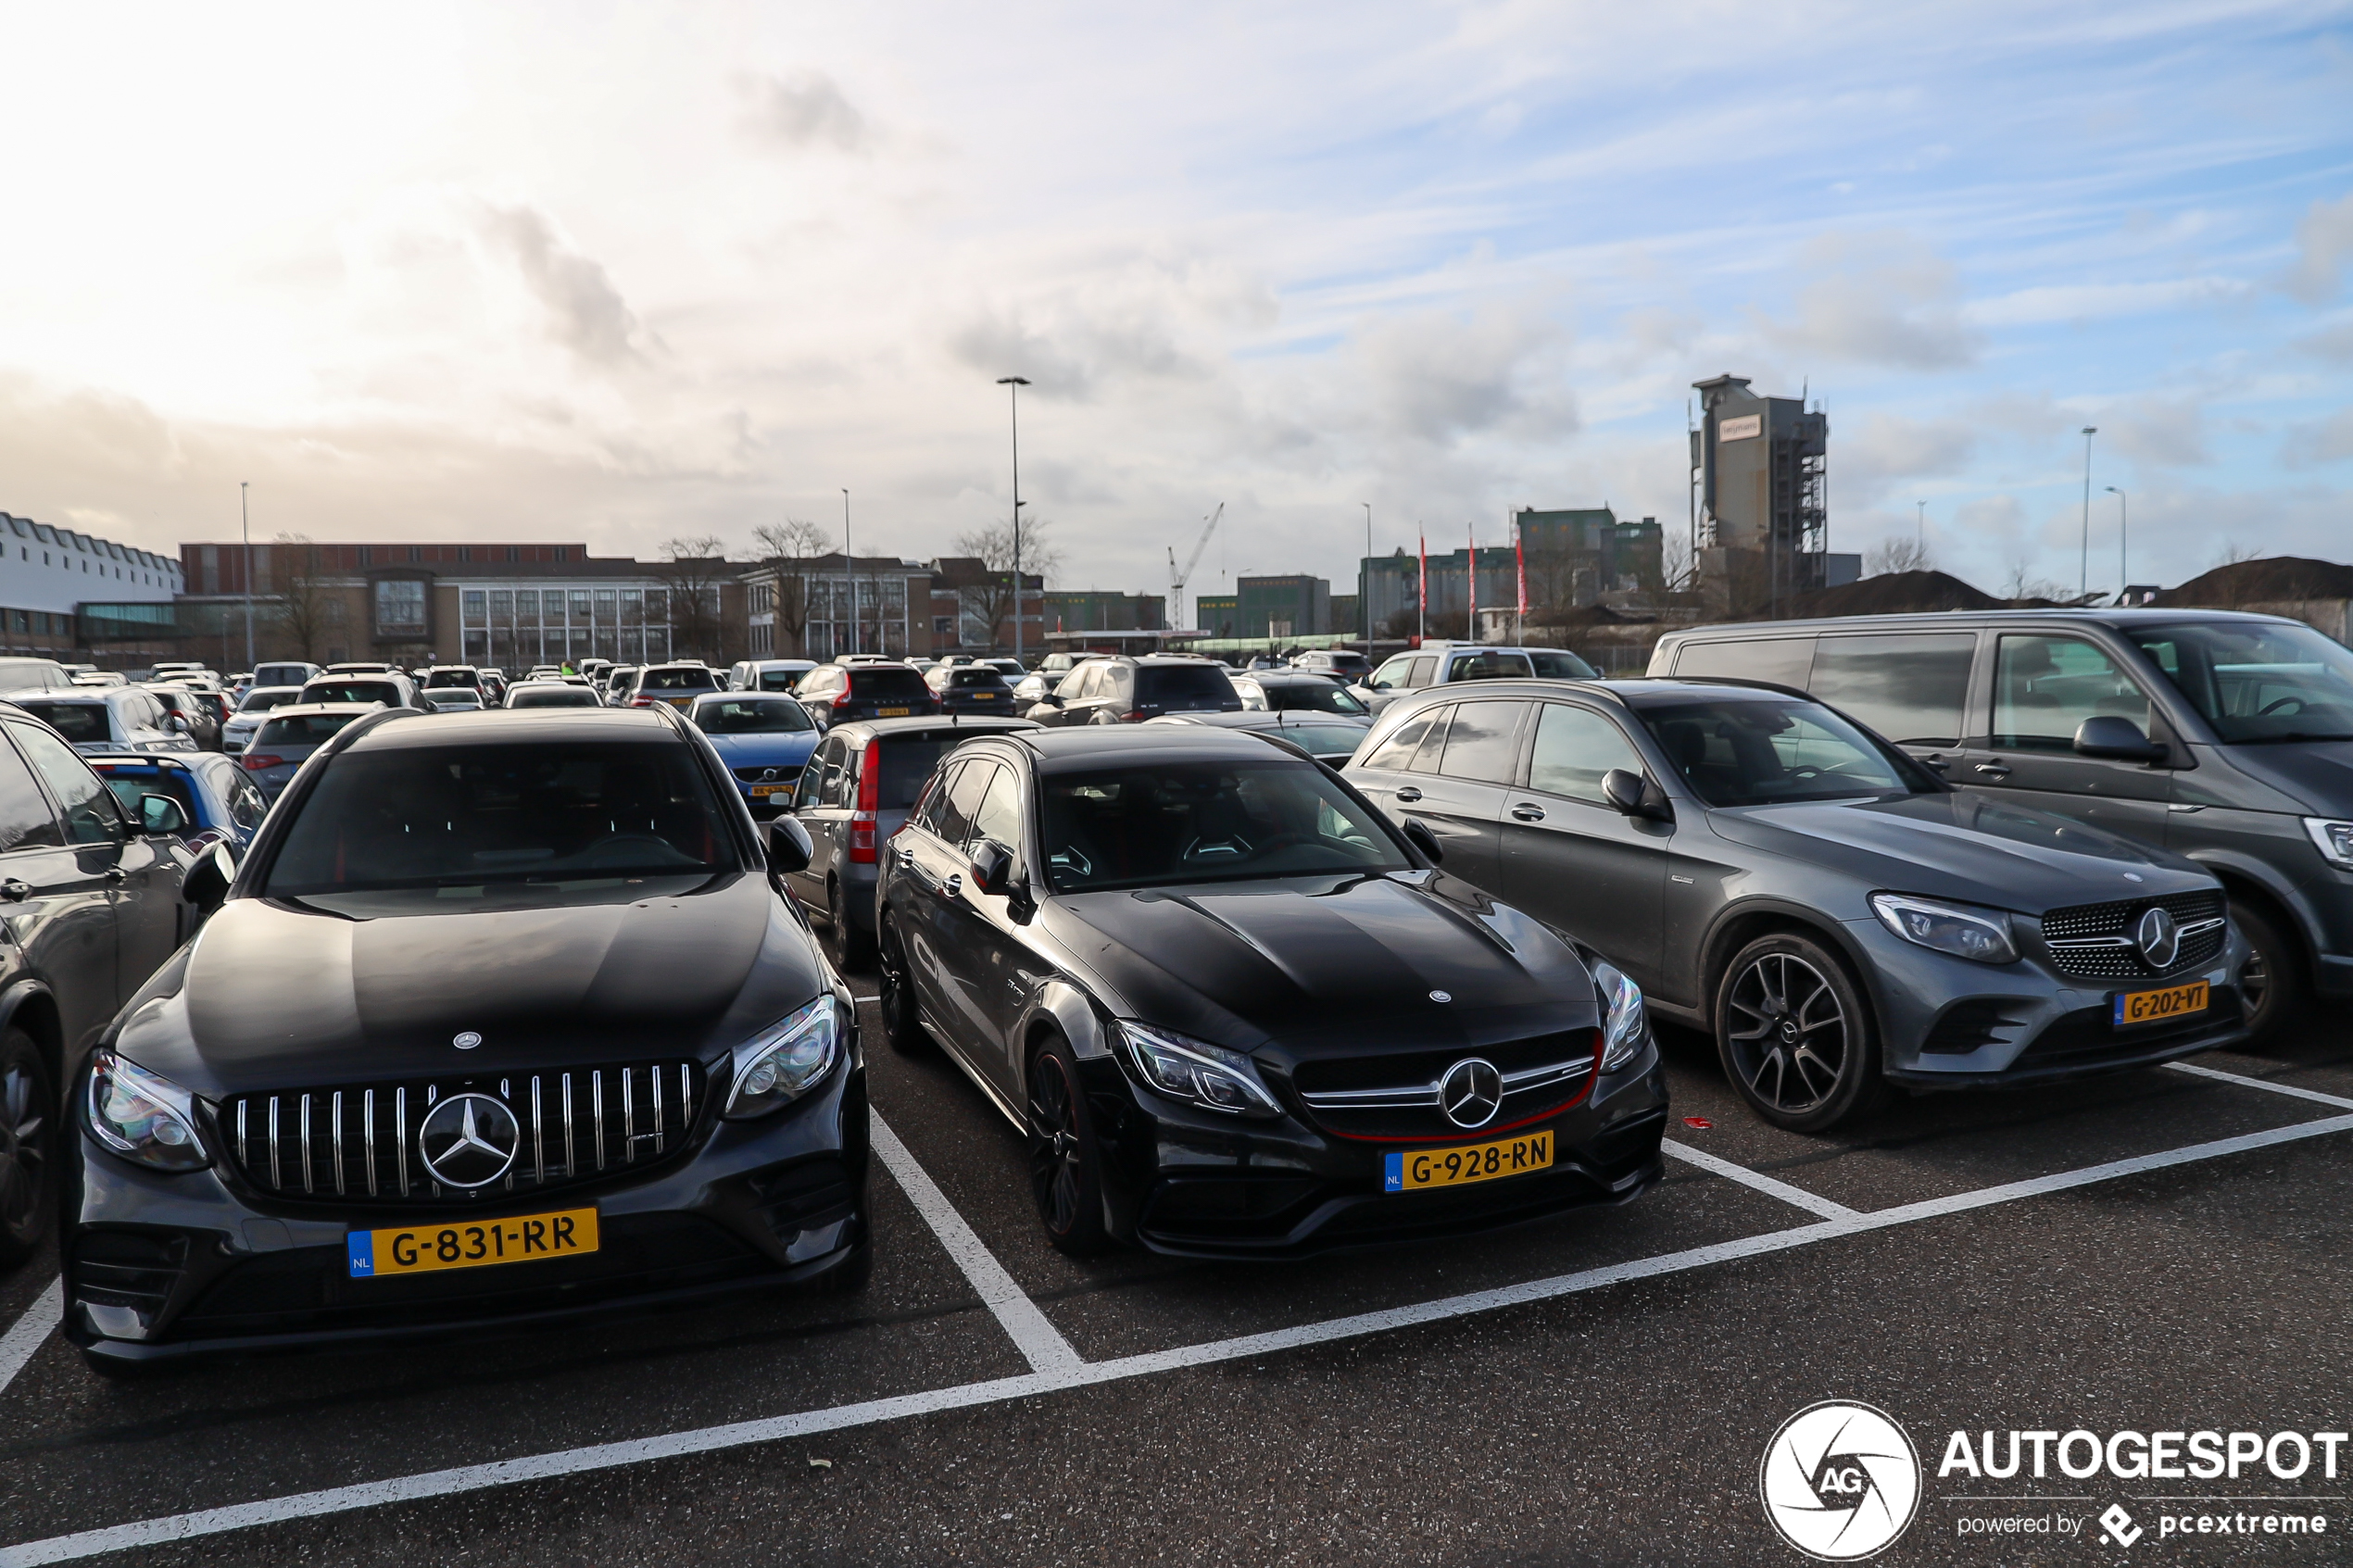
(1308, 967)
(1962, 845)
(2316, 775)
(744, 751)
(276, 995)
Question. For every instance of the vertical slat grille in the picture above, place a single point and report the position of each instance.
(355, 1140)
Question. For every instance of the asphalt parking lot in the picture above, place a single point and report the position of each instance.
(2157, 1248)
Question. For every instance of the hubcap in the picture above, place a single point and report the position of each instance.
(20, 1150)
(1054, 1152)
(1788, 1034)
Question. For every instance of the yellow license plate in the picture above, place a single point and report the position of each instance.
(471, 1244)
(2156, 1007)
(759, 790)
(890, 713)
(984, 696)
(1411, 1169)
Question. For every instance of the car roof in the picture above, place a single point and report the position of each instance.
(497, 726)
(970, 724)
(1090, 746)
(304, 709)
(1966, 619)
(1630, 691)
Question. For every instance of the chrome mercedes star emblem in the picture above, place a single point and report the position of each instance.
(467, 1041)
(1441, 995)
(1471, 1092)
(469, 1141)
(2158, 937)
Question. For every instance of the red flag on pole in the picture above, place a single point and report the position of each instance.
(1470, 623)
(1421, 598)
(1520, 564)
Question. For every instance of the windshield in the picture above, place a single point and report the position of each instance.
(1559, 664)
(453, 697)
(80, 723)
(304, 729)
(980, 675)
(2255, 682)
(690, 679)
(1489, 667)
(261, 699)
(1316, 695)
(779, 680)
(1178, 688)
(551, 695)
(894, 683)
(1173, 823)
(352, 691)
(452, 678)
(463, 816)
(751, 716)
(1325, 740)
(1764, 752)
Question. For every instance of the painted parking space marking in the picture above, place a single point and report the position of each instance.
(25, 1335)
(1757, 1182)
(1076, 1373)
(2243, 1081)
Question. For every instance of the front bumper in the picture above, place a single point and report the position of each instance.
(1949, 1023)
(1195, 1183)
(164, 1267)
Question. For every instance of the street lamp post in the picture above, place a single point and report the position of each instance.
(245, 527)
(849, 571)
(2084, 578)
(1923, 507)
(1012, 385)
(2123, 532)
(1365, 581)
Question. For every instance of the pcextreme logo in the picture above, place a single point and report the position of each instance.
(1840, 1481)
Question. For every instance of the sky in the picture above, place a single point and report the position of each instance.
(631, 273)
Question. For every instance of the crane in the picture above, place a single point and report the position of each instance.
(1177, 579)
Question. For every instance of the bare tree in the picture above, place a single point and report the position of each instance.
(2024, 584)
(1899, 554)
(785, 547)
(302, 594)
(695, 572)
(990, 600)
(1678, 571)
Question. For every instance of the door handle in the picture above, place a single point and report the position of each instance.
(1409, 795)
(954, 885)
(906, 859)
(1527, 813)
(14, 891)
(1995, 770)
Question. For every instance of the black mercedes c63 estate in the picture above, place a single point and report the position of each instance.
(506, 1019)
(1238, 1014)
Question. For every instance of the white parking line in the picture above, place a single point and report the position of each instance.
(25, 1335)
(1038, 1339)
(2246, 1083)
(1758, 1181)
(1078, 1374)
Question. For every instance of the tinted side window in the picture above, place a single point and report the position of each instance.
(1392, 674)
(1483, 741)
(934, 805)
(246, 806)
(1910, 688)
(963, 799)
(1574, 747)
(91, 816)
(1417, 675)
(2044, 687)
(1433, 744)
(25, 822)
(998, 815)
(1397, 751)
(813, 777)
(1786, 661)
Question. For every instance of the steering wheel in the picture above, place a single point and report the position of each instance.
(2276, 704)
(1237, 846)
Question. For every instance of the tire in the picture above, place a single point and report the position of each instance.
(848, 1276)
(2273, 981)
(1065, 1162)
(853, 944)
(28, 1148)
(902, 1025)
(1796, 1035)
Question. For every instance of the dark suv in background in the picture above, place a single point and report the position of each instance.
(2221, 736)
(1128, 691)
(835, 694)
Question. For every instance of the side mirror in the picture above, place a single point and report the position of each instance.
(176, 722)
(1631, 795)
(992, 868)
(206, 885)
(161, 814)
(788, 846)
(1417, 833)
(2117, 738)
(1049, 699)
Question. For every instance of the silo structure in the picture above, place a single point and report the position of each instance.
(1760, 471)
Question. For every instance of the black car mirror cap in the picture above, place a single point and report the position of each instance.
(1622, 787)
(788, 846)
(2116, 738)
(992, 868)
(206, 885)
(1417, 833)
(161, 814)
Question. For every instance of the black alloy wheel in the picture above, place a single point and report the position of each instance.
(28, 1171)
(2272, 983)
(1065, 1170)
(1795, 1035)
(903, 1026)
(854, 947)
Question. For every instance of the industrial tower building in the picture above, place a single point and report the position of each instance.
(1760, 486)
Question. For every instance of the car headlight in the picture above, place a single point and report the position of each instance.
(2334, 839)
(143, 1116)
(1981, 934)
(1625, 1029)
(1195, 1071)
(778, 1065)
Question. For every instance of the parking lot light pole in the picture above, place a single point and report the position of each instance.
(1012, 385)
(1365, 581)
(244, 528)
(2083, 577)
(2123, 535)
(849, 571)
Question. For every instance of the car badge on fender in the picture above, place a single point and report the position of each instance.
(1441, 995)
(467, 1041)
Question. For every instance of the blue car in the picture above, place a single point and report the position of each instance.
(764, 739)
(220, 801)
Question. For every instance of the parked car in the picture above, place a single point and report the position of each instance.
(1239, 1014)
(34, 675)
(389, 689)
(217, 799)
(452, 675)
(1278, 690)
(1438, 664)
(765, 738)
(1032, 688)
(971, 688)
(854, 793)
(285, 673)
(200, 715)
(768, 674)
(1340, 664)
(516, 1143)
(2216, 736)
(1329, 738)
(100, 678)
(857, 687)
(1127, 691)
(1837, 916)
(453, 699)
(550, 694)
(108, 718)
(608, 690)
(288, 736)
(675, 685)
(98, 901)
(252, 709)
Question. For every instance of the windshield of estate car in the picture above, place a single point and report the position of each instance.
(261, 699)
(692, 678)
(465, 817)
(303, 729)
(2256, 682)
(1770, 752)
(79, 721)
(752, 716)
(551, 695)
(352, 691)
(1559, 664)
(1173, 824)
(1180, 688)
(1314, 695)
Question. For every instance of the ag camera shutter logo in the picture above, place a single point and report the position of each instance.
(1840, 1481)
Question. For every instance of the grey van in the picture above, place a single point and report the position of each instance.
(2221, 736)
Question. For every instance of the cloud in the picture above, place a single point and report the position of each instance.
(2325, 441)
(1889, 448)
(1878, 299)
(2333, 343)
(586, 312)
(1434, 377)
(807, 110)
(2160, 433)
(2323, 245)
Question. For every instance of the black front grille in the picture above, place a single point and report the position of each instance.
(1395, 1096)
(783, 774)
(128, 1268)
(358, 1141)
(2095, 942)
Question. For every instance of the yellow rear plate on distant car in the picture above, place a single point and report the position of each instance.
(475, 1243)
(890, 713)
(1410, 1170)
(761, 790)
(2156, 1007)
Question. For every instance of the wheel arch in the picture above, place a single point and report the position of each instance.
(1745, 923)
